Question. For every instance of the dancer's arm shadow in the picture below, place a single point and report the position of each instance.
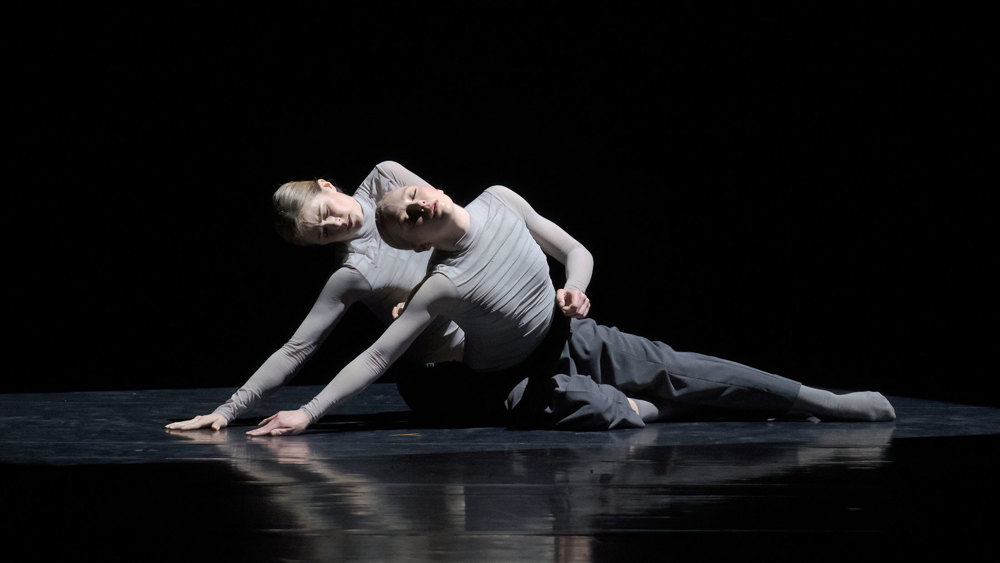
(365, 422)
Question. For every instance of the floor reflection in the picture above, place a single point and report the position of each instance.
(96, 473)
(555, 500)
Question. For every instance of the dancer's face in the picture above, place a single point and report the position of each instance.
(417, 215)
(330, 216)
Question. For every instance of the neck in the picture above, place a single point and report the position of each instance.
(356, 205)
(364, 222)
(459, 226)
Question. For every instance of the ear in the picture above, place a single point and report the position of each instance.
(422, 247)
(325, 184)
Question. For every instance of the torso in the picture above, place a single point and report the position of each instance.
(505, 293)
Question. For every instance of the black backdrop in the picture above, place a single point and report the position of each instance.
(804, 190)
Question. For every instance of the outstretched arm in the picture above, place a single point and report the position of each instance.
(427, 302)
(343, 288)
(557, 243)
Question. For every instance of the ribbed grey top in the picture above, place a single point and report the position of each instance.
(502, 278)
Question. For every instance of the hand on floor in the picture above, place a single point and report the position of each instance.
(282, 424)
(216, 421)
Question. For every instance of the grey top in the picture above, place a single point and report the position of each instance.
(495, 286)
(505, 294)
(369, 271)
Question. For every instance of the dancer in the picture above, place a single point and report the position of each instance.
(379, 276)
(489, 274)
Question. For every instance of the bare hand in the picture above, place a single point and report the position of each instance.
(282, 424)
(573, 303)
(216, 421)
(398, 310)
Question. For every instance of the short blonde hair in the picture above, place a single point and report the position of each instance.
(288, 201)
(384, 214)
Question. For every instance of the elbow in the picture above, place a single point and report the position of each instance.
(298, 351)
(580, 253)
(377, 361)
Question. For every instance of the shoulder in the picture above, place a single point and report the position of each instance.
(385, 177)
(390, 167)
(346, 284)
(395, 175)
(435, 290)
(510, 198)
(502, 192)
(347, 276)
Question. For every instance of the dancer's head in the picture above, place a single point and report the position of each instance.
(415, 217)
(315, 212)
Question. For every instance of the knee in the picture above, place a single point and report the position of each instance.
(580, 403)
(584, 341)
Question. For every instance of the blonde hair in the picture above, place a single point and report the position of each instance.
(382, 224)
(288, 201)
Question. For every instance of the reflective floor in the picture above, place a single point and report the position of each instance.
(95, 476)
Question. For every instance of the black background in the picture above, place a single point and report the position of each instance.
(804, 190)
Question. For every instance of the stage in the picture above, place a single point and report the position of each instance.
(93, 475)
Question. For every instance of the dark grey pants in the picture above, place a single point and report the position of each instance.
(600, 367)
(581, 379)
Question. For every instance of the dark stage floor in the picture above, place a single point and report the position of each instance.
(94, 476)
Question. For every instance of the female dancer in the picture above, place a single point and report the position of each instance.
(379, 276)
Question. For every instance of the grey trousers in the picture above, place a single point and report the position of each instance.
(581, 379)
(600, 367)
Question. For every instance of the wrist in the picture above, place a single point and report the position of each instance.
(310, 415)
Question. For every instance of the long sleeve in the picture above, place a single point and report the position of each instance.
(556, 242)
(342, 289)
(433, 296)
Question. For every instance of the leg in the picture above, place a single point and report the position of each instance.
(862, 405)
(677, 384)
(663, 410)
(571, 402)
